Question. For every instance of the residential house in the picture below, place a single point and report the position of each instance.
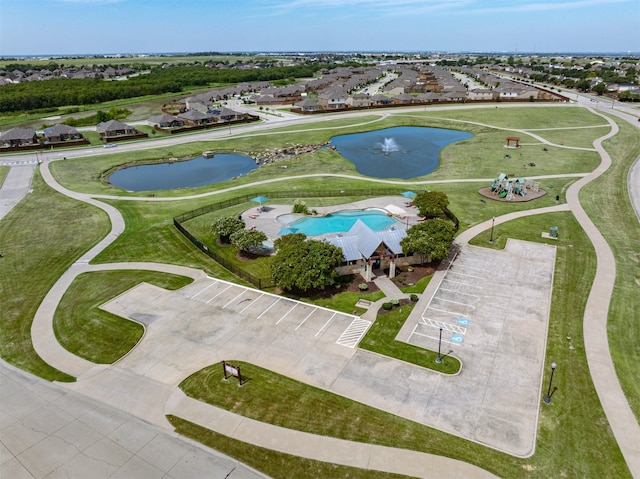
(359, 100)
(61, 132)
(381, 100)
(196, 118)
(333, 98)
(227, 114)
(17, 137)
(114, 130)
(165, 121)
(480, 94)
(308, 105)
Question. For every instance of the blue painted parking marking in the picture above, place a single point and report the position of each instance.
(463, 322)
(457, 338)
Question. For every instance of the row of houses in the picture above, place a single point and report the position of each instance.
(106, 73)
(114, 130)
(65, 135)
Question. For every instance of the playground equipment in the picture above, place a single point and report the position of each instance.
(505, 187)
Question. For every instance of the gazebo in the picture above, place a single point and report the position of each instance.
(515, 139)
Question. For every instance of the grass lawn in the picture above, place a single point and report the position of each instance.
(47, 232)
(272, 463)
(607, 202)
(574, 439)
(4, 171)
(381, 339)
(97, 335)
(481, 156)
(39, 242)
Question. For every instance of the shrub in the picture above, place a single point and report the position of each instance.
(394, 302)
(363, 286)
(414, 297)
(300, 206)
(386, 306)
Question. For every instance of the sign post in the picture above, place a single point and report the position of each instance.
(230, 370)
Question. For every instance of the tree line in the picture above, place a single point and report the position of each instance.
(59, 92)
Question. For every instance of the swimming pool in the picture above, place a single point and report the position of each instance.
(339, 222)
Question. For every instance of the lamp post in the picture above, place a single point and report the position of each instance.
(493, 222)
(438, 357)
(547, 398)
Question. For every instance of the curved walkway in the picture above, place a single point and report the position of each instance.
(156, 401)
(621, 419)
(596, 340)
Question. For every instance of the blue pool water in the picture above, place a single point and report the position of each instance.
(342, 221)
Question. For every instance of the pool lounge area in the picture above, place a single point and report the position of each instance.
(267, 219)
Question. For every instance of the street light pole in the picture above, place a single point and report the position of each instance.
(547, 398)
(438, 357)
(493, 222)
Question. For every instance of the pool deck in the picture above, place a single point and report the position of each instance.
(265, 218)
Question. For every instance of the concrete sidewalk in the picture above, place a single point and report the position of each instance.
(48, 431)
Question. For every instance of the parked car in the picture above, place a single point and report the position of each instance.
(109, 145)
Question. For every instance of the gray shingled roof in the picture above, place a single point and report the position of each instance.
(360, 242)
(111, 125)
(60, 129)
(18, 133)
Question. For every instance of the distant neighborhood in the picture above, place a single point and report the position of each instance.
(388, 84)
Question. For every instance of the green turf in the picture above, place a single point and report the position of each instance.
(4, 171)
(274, 464)
(574, 439)
(40, 241)
(87, 331)
(381, 339)
(607, 203)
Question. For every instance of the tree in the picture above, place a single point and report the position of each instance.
(431, 203)
(600, 88)
(430, 239)
(583, 85)
(247, 240)
(304, 264)
(224, 227)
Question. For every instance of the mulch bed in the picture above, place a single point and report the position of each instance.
(531, 195)
(404, 277)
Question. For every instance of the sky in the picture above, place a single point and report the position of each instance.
(70, 27)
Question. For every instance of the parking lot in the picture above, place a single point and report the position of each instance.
(492, 306)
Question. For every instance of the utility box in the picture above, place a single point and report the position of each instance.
(553, 232)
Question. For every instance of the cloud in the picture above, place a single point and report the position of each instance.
(416, 7)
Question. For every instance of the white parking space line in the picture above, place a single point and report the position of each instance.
(454, 313)
(437, 338)
(468, 275)
(354, 333)
(203, 290)
(211, 299)
(287, 313)
(459, 292)
(455, 302)
(483, 267)
(251, 302)
(307, 317)
(454, 328)
(234, 298)
(461, 282)
(268, 308)
(326, 325)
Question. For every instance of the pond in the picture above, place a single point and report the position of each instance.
(182, 174)
(399, 152)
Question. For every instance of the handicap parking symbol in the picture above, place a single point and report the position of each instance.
(457, 338)
(463, 322)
